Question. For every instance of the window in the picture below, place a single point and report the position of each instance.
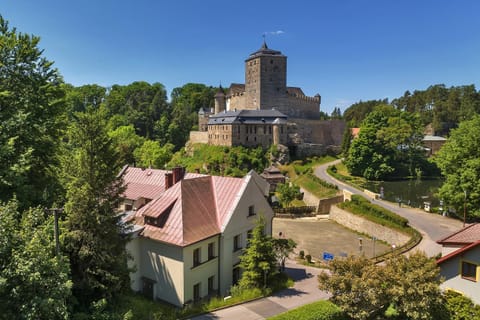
(469, 271)
(196, 257)
(128, 207)
(211, 287)
(251, 211)
(211, 250)
(196, 292)
(237, 244)
(147, 287)
(235, 275)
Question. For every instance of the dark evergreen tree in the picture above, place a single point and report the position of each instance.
(95, 237)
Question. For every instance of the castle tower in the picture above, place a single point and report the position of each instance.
(219, 100)
(265, 78)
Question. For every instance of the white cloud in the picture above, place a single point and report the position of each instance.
(274, 33)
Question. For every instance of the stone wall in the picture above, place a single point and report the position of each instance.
(324, 205)
(309, 198)
(198, 137)
(362, 225)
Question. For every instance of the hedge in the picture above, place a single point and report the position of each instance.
(361, 206)
(320, 310)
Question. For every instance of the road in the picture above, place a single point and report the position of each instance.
(433, 227)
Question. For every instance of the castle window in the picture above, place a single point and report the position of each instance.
(270, 129)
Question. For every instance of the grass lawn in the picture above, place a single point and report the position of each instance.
(343, 174)
(312, 186)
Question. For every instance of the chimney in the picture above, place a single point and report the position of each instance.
(178, 173)
(168, 180)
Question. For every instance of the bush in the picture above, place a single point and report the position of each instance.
(309, 258)
(460, 307)
(301, 254)
(320, 310)
(361, 206)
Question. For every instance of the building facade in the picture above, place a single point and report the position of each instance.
(250, 128)
(190, 231)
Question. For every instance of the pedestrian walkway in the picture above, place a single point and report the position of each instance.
(303, 292)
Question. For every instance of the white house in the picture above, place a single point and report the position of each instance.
(460, 262)
(189, 230)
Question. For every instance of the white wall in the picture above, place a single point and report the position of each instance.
(202, 272)
(451, 271)
(241, 223)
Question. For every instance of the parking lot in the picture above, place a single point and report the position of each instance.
(318, 236)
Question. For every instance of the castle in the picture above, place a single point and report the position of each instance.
(265, 111)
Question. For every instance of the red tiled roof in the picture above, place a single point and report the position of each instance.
(458, 252)
(147, 183)
(465, 236)
(192, 210)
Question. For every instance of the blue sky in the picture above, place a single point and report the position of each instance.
(346, 50)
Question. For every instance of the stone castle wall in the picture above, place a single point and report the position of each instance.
(198, 137)
(362, 225)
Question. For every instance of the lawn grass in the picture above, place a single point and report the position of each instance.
(312, 186)
(319, 310)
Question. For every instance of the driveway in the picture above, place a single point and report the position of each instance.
(304, 291)
(433, 227)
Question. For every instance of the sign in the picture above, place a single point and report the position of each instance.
(327, 256)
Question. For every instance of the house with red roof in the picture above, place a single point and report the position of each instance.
(189, 230)
(460, 262)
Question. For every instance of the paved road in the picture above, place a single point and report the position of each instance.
(304, 291)
(433, 227)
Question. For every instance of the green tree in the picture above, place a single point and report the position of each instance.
(95, 237)
(459, 160)
(460, 307)
(151, 154)
(357, 112)
(287, 193)
(31, 102)
(282, 248)
(126, 141)
(389, 144)
(406, 287)
(258, 261)
(34, 282)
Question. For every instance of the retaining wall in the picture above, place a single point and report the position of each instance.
(362, 225)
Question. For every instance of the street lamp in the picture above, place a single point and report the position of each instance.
(374, 239)
(360, 244)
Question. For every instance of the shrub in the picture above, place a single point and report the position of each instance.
(320, 310)
(301, 254)
(309, 258)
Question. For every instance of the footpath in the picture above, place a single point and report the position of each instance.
(303, 292)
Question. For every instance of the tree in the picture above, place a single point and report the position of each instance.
(357, 112)
(34, 282)
(408, 286)
(126, 141)
(151, 154)
(31, 103)
(459, 160)
(95, 236)
(287, 193)
(282, 248)
(389, 143)
(258, 261)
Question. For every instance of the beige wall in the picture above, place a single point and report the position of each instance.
(198, 137)
(163, 264)
(241, 223)
(202, 272)
(450, 270)
(360, 224)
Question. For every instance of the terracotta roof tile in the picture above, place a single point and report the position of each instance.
(465, 236)
(192, 210)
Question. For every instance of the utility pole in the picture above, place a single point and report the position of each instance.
(56, 212)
